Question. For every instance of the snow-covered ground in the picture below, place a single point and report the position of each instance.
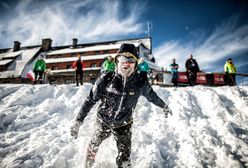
(208, 128)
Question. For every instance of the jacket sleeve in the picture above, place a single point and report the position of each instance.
(151, 95)
(187, 65)
(225, 68)
(104, 65)
(44, 65)
(74, 64)
(35, 66)
(197, 66)
(96, 93)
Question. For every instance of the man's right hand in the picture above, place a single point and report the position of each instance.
(75, 128)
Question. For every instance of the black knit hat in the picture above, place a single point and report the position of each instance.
(128, 48)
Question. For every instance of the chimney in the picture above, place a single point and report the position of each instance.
(74, 43)
(46, 44)
(17, 46)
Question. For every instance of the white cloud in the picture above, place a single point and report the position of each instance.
(227, 40)
(88, 20)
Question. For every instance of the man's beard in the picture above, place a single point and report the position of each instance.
(125, 72)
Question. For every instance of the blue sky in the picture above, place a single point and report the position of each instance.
(211, 30)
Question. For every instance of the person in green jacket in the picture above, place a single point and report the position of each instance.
(39, 68)
(109, 64)
(230, 71)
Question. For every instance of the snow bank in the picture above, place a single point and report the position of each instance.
(208, 128)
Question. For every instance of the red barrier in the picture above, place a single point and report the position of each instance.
(182, 77)
(219, 79)
(201, 78)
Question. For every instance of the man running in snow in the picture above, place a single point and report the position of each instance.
(119, 92)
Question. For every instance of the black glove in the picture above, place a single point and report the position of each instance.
(167, 111)
(75, 128)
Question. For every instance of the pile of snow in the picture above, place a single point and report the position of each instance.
(208, 128)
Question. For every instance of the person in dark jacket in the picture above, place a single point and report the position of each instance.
(192, 68)
(78, 65)
(119, 92)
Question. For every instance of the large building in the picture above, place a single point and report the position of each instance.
(17, 61)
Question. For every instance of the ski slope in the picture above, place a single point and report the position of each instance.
(208, 128)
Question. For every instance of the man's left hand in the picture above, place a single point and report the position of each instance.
(167, 111)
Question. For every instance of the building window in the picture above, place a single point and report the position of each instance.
(73, 55)
(54, 56)
(54, 68)
(97, 52)
(68, 67)
(93, 65)
(105, 51)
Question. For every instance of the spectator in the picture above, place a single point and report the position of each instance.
(174, 72)
(119, 92)
(143, 68)
(39, 68)
(109, 64)
(230, 72)
(78, 66)
(192, 68)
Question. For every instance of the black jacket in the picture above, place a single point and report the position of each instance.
(192, 65)
(118, 99)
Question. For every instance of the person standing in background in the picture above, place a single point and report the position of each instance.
(192, 68)
(174, 72)
(109, 64)
(230, 72)
(78, 66)
(39, 68)
(143, 68)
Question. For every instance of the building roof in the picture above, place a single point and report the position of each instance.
(5, 62)
(83, 58)
(19, 60)
(10, 54)
(85, 49)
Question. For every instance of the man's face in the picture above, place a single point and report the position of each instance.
(110, 58)
(125, 65)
